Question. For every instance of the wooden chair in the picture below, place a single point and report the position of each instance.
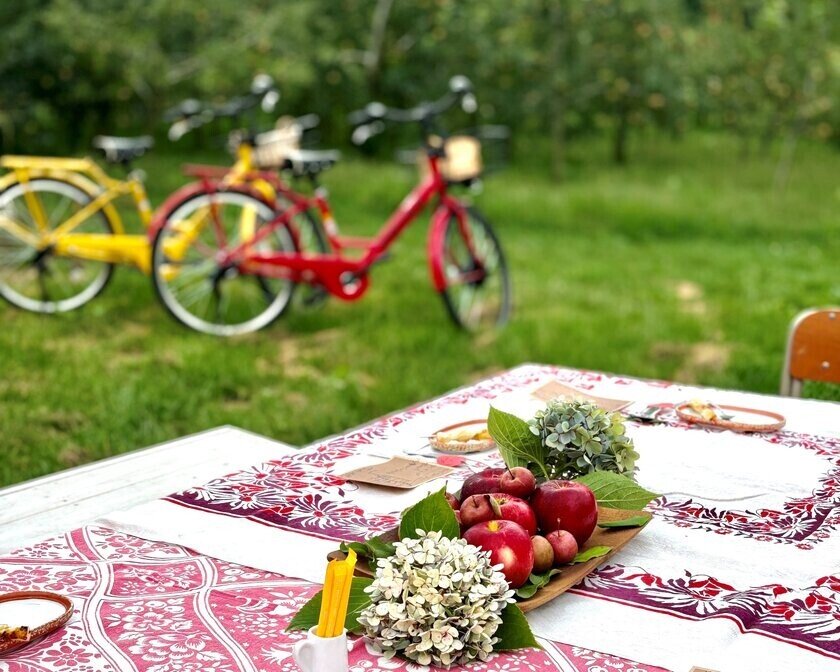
(813, 350)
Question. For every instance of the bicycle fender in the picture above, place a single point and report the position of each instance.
(87, 185)
(191, 190)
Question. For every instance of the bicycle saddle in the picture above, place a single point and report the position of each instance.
(310, 161)
(122, 150)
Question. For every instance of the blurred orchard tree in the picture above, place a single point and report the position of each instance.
(553, 70)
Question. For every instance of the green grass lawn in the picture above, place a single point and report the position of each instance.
(686, 265)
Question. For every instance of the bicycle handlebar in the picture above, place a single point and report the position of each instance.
(369, 121)
(190, 114)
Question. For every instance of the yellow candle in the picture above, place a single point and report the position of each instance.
(335, 597)
(323, 616)
(350, 562)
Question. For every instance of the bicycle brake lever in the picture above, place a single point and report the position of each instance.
(468, 103)
(178, 130)
(361, 134)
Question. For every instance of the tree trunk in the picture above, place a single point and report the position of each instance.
(559, 58)
(797, 128)
(622, 129)
(558, 137)
(373, 57)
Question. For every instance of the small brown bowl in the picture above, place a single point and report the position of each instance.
(59, 616)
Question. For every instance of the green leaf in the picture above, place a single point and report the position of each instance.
(527, 590)
(371, 549)
(514, 632)
(589, 553)
(535, 582)
(518, 445)
(616, 491)
(309, 613)
(633, 521)
(430, 514)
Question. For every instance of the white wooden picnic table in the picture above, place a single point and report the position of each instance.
(737, 571)
(67, 499)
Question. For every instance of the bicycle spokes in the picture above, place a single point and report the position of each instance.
(476, 289)
(36, 272)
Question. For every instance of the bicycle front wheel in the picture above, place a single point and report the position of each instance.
(195, 288)
(32, 275)
(477, 287)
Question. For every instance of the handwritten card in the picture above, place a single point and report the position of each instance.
(554, 389)
(398, 472)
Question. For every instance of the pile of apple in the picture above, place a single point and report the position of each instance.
(526, 527)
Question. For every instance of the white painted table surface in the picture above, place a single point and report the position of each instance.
(65, 500)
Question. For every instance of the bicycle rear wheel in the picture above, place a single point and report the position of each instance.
(32, 276)
(310, 238)
(477, 287)
(193, 286)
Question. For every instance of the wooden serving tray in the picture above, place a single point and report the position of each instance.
(571, 575)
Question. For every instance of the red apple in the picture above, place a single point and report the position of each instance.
(509, 545)
(519, 482)
(498, 506)
(453, 501)
(477, 509)
(566, 505)
(515, 509)
(484, 481)
(564, 546)
(543, 554)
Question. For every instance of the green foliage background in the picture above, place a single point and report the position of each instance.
(687, 264)
(557, 68)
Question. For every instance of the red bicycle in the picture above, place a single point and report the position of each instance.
(237, 278)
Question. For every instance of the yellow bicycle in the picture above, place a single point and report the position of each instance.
(60, 234)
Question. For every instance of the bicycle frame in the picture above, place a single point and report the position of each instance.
(344, 277)
(116, 248)
(263, 184)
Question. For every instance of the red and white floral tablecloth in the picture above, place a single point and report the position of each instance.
(739, 570)
(143, 605)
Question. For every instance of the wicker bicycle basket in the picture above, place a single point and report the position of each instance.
(467, 155)
(271, 148)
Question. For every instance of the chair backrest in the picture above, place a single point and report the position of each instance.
(813, 350)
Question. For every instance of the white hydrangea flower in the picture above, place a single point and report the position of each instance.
(436, 601)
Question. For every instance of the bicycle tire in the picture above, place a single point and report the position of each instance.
(460, 262)
(162, 267)
(45, 262)
(316, 234)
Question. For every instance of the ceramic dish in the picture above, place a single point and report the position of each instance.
(464, 437)
(40, 612)
(739, 420)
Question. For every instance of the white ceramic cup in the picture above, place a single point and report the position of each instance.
(322, 654)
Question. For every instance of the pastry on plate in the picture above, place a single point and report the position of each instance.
(709, 412)
(9, 633)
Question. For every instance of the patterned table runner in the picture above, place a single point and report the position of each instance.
(157, 607)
